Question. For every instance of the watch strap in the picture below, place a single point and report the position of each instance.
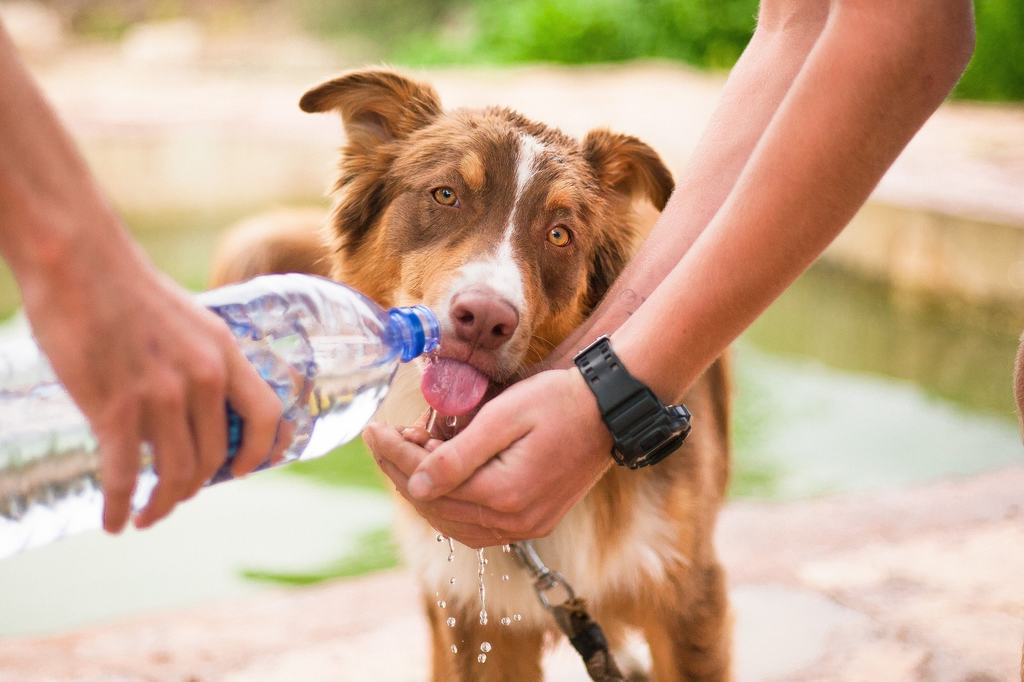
(644, 430)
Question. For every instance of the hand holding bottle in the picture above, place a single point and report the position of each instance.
(146, 364)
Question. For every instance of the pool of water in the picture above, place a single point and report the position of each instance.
(845, 385)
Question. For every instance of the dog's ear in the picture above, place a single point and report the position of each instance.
(628, 167)
(376, 105)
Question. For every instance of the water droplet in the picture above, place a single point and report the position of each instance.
(506, 621)
(506, 548)
(440, 538)
(455, 649)
(517, 617)
(451, 557)
(505, 578)
(451, 420)
(442, 603)
(450, 622)
(485, 647)
(483, 617)
(482, 658)
(451, 581)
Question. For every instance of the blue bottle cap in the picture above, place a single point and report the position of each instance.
(416, 330)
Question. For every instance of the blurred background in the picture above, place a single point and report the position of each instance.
(887, 367)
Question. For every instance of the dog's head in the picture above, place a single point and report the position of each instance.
(510, 230)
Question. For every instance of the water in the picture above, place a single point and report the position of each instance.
(328, 352)
(482, 564)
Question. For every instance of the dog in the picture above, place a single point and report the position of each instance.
(513, 231)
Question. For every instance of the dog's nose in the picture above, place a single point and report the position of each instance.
(482, 318)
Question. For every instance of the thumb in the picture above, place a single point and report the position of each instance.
(453, 462)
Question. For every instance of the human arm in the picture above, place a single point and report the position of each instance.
(142, 361)
(874, 75)
(786, 32)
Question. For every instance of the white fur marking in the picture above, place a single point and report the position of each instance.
(529, 149)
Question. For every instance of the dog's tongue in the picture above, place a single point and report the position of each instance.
(453, 388)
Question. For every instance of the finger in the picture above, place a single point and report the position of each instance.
(454, 461)
(398, 479)
(174, 459)
(432, 444)
(119, 469)
(283, 440)
(209, 418)
(388, 444)
(470, 534)
(469, 517)
(416, 434)
(259, 409)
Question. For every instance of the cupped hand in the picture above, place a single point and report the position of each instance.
(527, 457)
(146, 364)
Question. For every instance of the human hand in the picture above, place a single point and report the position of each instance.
(145, 363)
(527, 457)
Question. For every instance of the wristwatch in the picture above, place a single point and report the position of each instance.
(645, 430)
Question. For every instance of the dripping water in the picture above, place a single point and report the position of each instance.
(482, 563)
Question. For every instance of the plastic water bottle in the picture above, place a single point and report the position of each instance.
(328, 352)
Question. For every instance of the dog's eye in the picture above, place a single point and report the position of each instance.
(445, 196)
(559, 235)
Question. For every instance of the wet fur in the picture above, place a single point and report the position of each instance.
(639, 546)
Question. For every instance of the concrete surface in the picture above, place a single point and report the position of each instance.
(918, 585)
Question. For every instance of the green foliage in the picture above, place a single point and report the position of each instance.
(704, 33)
(996, 71)
(709, 33)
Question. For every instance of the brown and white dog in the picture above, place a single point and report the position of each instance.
(512, 232)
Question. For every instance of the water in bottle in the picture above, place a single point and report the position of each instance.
(328, 352)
